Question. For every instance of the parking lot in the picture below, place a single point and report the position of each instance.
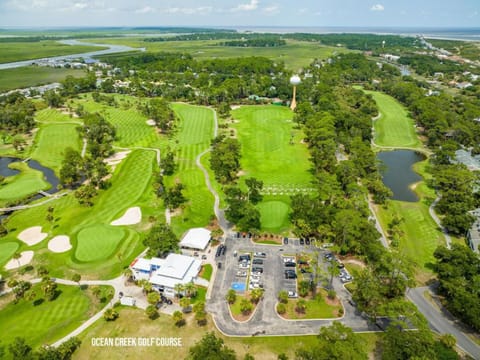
(246, 265)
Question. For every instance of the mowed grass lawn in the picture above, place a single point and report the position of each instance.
(27, 182)
(193, 136)
(130, 124)
(262, 347)
(421, 235)
(48, 321)
(295, 55)
(394, 128)
(27, 76)
(130, 186)
(265, 133)
(7, 249)
(17, 51)
(98, 242)
(51, 142)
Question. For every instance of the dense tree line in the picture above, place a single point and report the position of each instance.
(260, 42)
(225, 159)
(161, 240)
(20, 349)
(363, 42)
(429, 65)
(458, 272)
(16, 113)
(159, 111)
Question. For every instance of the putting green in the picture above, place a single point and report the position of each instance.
(6, 251)
(273, 215)
(98, 242)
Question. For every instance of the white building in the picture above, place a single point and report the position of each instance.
(197, 238)
(164, 274)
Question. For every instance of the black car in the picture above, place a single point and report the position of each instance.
(244, 257)
(224, 248)
(289, 271)
(340, 265)
(302, 241)
(307, 241)
(257, 269)
(290, 276)
(289, 264)
(285, 240)
(219, 265)
(257, 261)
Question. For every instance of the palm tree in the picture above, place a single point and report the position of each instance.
(256, 295)
(190, 289)
(178, 318)
(17, 257)
(179, 289)
(301, 305)
(128, 273)
(333, 270)
(231, 296)
(185, 302)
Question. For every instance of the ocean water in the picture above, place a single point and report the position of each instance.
(471, 34)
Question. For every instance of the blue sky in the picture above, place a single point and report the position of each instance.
(381, 13)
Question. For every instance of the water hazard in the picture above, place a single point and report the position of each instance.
(398, 174)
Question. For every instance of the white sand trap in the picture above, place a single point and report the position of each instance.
(59, 244)
(117, 157)
(131, 217)
(31, 236)
(25, 258)
(151, 122)
(234, 107)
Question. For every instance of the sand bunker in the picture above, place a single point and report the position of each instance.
(131, 217)
(25, 258)
(31, 236)
(59, 244)
(117, 157)
(151, 122)
(234, 107)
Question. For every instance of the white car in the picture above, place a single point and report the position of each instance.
(244, 266)
(242, 273)
(292, 294)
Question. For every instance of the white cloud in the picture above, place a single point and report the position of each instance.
(252, 5)
(145, 10)
(377, 7)
(201, 10)
(271, 9)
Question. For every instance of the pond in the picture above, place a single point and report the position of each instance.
(398, 174)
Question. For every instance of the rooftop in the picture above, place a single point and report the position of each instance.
(196, 238)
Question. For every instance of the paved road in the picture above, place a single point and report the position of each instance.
(442, 322)
(383, 237)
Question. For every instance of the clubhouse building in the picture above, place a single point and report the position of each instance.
(164, 274)
(196, 239)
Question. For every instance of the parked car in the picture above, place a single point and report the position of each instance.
(302, 241)
(219, 265)
(257, 270)
(260, 254)
(292, 294)
(307, 241)
(285, 240)
(290, 276)
(224, 249)
(340, 265)
(244, 257)
(204, 257)
(289, 264)
(243, 266)
(241, 273)
(257, 261)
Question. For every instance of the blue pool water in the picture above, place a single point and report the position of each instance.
(238, 286)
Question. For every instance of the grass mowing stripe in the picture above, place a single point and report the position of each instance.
(98, 242)
(270, 145)
(51, 142)
(394, 127)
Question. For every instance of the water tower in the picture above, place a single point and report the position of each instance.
(294, 80)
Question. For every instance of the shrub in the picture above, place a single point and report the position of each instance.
(281, 308)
